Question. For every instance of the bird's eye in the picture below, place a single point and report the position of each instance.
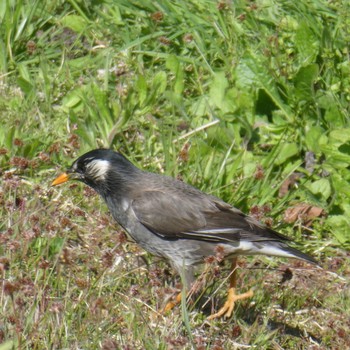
(82, 167)
(79, 167)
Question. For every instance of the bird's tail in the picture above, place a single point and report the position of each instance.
(298, 254)
(278, 248)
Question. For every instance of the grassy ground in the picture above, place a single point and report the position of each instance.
(247, 100)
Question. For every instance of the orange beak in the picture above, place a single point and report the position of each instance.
(60, 179)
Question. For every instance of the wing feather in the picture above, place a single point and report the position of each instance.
(176, 215)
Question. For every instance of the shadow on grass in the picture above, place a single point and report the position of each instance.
(252, 317)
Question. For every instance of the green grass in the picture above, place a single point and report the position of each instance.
(237, 98)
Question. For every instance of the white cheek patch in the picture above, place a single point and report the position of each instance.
(74, 167)
(98, 169)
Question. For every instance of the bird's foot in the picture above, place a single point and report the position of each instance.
(171, 304)
(232, 297)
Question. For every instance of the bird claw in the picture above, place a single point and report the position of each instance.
(232, 297)
(171, 304)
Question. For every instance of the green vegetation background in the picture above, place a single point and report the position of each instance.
(248, 100)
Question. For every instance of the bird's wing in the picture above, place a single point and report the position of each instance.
(167, 214)
(175, 215)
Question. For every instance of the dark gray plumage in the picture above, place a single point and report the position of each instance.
(172, 219)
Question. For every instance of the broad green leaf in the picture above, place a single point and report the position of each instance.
(339, 224)
(71, 100)
(249, 169)
(200, 106)
(288, 23)
(336, 150)
(244, 75)
(76, 23)
(172, 63)
(248, 163)
(251, 71)
(25, 85)
(340, 184)
(141, 87)
(286, 150)
(304, 82)
(218, 88)
(334, 157)
(160, 82)
(321, 187)
(314, 136)
(307, 43)
(346, 207)
(231, 98)
(339, 136)
(80, 62)
(24, 72)
(334, 116)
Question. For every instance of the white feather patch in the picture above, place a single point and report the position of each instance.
(257, 248)
(98, 169)
(125, 205)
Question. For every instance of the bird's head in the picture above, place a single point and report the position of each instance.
(99, 169)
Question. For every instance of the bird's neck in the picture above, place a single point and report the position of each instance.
(118, 186)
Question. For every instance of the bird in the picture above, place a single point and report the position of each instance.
(176, 221)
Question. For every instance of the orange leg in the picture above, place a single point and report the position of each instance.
(227, 309)
(171, 304)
